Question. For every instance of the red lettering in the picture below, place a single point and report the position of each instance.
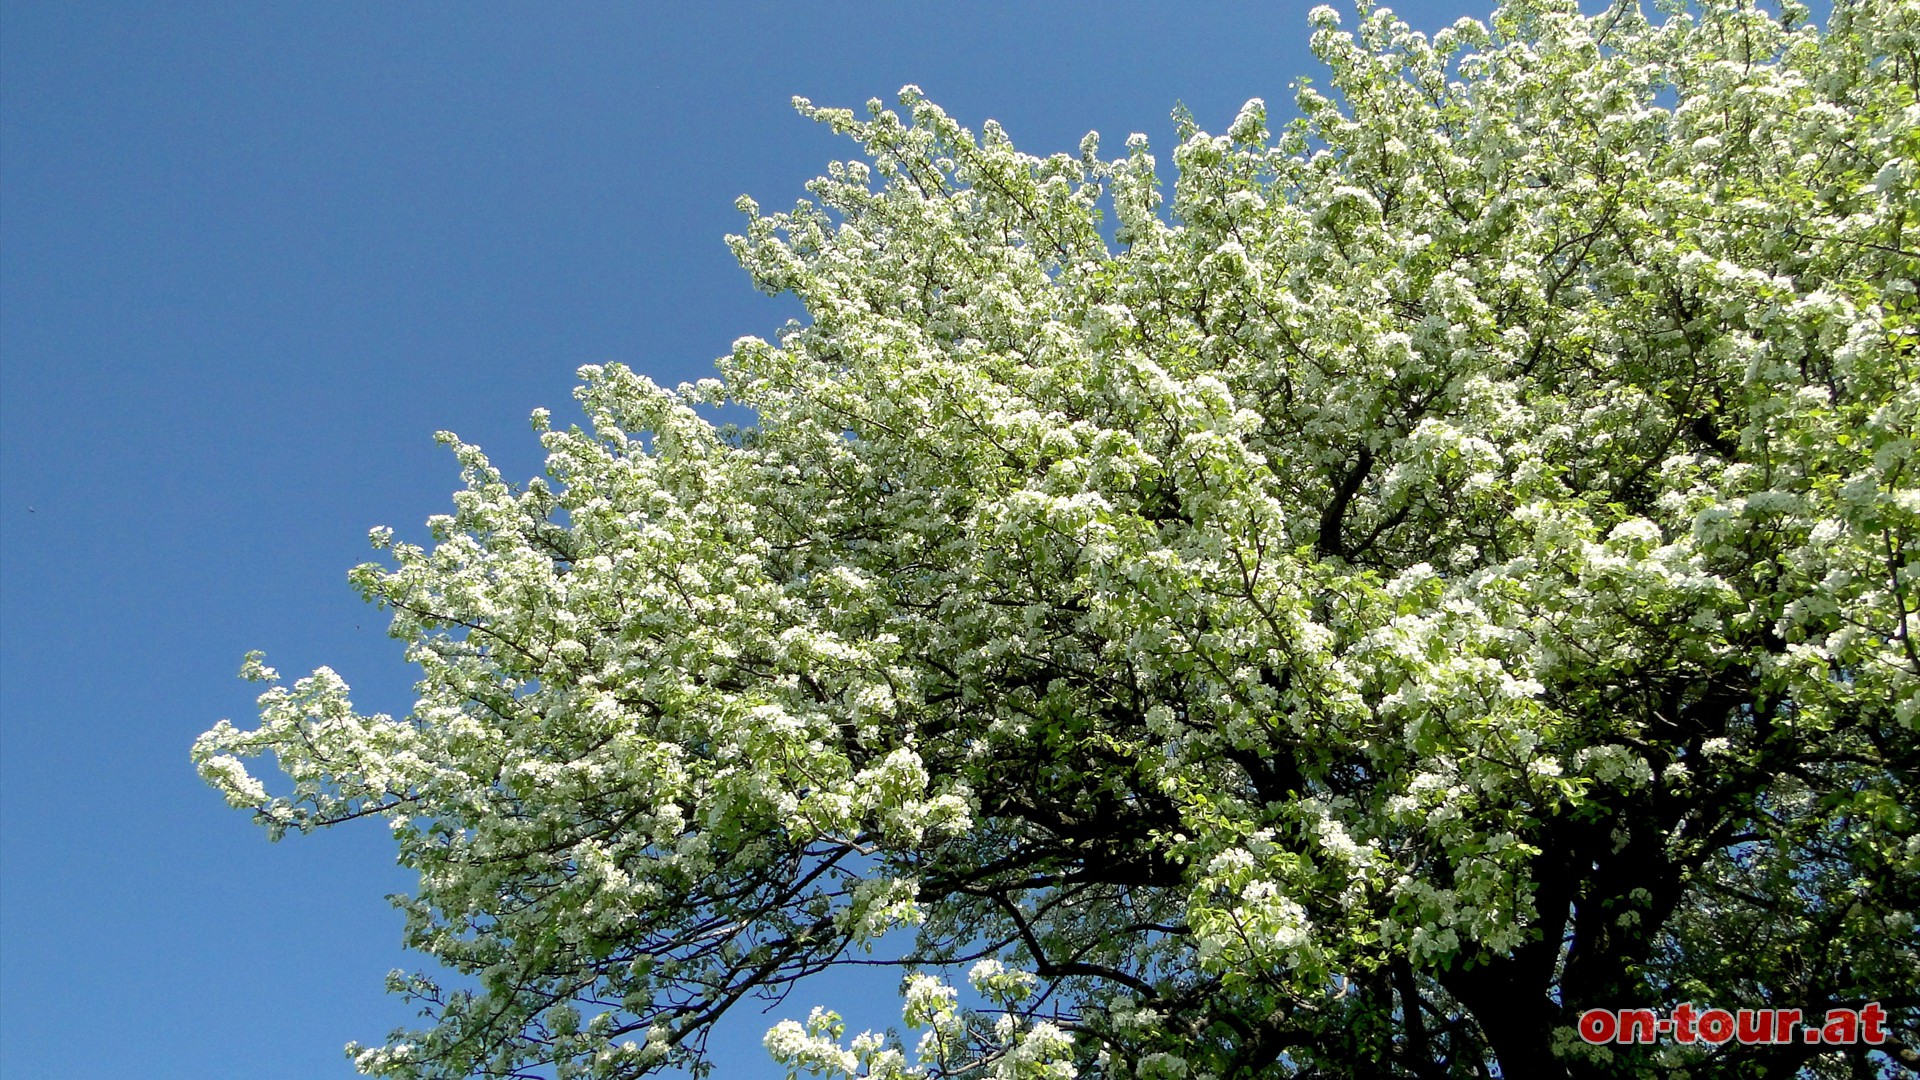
(1715, 1027)
(1842, 1027)
(1597, 1025)
(1871, 1014)
(1683, 1022)
(1638, 1026)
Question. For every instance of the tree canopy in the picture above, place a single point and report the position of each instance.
(1450, 566)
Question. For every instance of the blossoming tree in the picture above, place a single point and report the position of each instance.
(1451, 567)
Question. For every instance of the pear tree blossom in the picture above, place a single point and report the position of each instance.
(1342, 606)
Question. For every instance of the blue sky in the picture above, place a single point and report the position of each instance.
(251, 257)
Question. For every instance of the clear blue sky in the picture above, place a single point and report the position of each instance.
(251, 256)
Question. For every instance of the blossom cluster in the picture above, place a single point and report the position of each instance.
(1447, 559)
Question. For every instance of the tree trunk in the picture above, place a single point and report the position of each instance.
(1515, 1015)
